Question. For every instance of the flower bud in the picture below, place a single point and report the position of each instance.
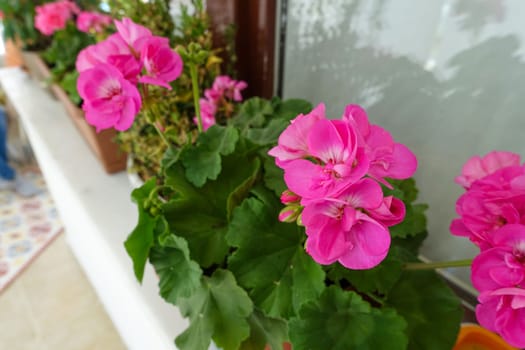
(289, 214)
(288, 197)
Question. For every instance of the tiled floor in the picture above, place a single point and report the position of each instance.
(52, 306)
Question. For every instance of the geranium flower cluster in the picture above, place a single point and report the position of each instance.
(92, 22)
(492, 216)
(111, 71)
(223, 91)
(53, 16)
(333, 170)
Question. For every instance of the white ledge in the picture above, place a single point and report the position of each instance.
(97, 214)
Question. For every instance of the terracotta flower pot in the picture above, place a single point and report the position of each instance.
(474, 337)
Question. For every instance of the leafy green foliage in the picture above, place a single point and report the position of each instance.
(273, 176)
(203, 161)
(201, 214)
(289, 109)
(379, 279)
(432, 311)
(173, 264)
(141, 239)
(218, 309)
(62, 54)
(69, 84)
(18, 23)
(270, 260)
(342, 320)
(253, 114)
(265, 330)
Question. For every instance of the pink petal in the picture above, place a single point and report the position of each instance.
(371, 242)
(327, 244)
(298, 176)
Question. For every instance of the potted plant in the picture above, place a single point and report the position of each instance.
(273, 224)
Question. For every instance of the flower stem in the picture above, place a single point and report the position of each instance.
(195, 85)
(438, 264)
(161, 135)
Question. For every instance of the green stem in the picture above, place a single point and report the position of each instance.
(438, 265)
(195, 85)
(152, 114)
(161, 134)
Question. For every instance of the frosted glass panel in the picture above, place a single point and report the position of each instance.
(447, 78)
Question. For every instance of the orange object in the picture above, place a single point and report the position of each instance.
(13, 54)
(474, 337)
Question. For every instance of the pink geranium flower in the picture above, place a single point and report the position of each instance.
(293, 141)
(162, 64)
(53, 16)
(99, 53)
(476, 167)
(388, 159)
(109, 99)
(92, 21)
(338, 229)
(481, 216)
(503, 265)
(134, 35)
(208, 110)
(228, 87)
(503, 311)
(223, 89)
(334, 144)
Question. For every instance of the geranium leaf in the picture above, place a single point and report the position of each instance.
(252, 114)
(342, 320)
(269, 134)
(141, 239)
(203, 161)
(173, 265)
(433, 312)
(265, 331)
(201, 215)
(270, 260)
(218, 309)
(273, 176)
(237, 196)
(415, 222)
(289, 109)
(380, 279)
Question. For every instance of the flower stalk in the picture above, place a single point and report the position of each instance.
(438, 265)
(195, 86)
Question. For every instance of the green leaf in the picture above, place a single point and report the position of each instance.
(380, 279)
(273, 176)
(406, 190)
(141, 239)
(170, 157)
(218, 309)
(270, 260)
(269, 134)
(342, 320)
(203, 161)
(252, 114)
(291, 108)
(179, 276)
(433, 312)
(201, 214)
(265, 331)
(237, 196)
(415, 222)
